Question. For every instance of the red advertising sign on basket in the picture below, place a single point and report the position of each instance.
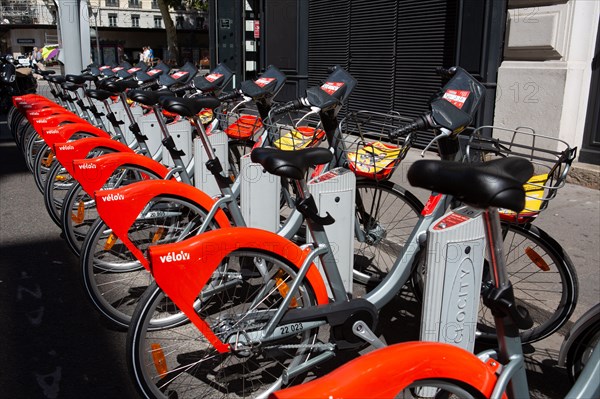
(331, 87)
(153, 72)
(213, 76)
(456, 97)
(256, 29)
(179, 74)
(262, 82)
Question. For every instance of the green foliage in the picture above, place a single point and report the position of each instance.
(200, 5)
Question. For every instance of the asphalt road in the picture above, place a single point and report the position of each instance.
(54, 345)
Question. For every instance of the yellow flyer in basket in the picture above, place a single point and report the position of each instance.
(534, 194)
(374, 157)
(299, 138)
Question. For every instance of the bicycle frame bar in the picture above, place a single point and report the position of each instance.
(385, 372)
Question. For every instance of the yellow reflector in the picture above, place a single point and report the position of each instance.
(61, 178)
(158, 235)
(78, 217)
(160, 362)
(283, 288)
(537, 259)
(110, 241)
(48, 161)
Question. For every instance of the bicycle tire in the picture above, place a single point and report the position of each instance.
(549, 291)
(581, 350)
(32, 145)
(440, 389)
(78, 202)
(387, 214)
(193, 366)
(59, 182)
(113, 279)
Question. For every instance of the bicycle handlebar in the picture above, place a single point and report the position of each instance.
(290, 106)
(445, 72)
(422, 122)
(230, 96)
(148, 84)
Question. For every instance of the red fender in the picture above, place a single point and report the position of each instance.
(55, 120)
(45, 112)
(66, 153)
(64, 133)
(29, 101)
(183, 279)
(93, 173)
(385, 372)
(120, 207)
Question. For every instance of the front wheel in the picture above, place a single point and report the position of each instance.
(237, 303)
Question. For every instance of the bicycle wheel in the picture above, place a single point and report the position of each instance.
(236, 150)
(79, 209)
(581, 351)
(386, 214)
(543, 278)
(439, 389)
(58, 184)
(179, 362)
(33, 143)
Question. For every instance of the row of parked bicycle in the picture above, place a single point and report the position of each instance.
(244, 242)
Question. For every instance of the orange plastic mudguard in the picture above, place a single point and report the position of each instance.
(385, 372)
(61, 134)
(93, 173)
(45, 112)
(182, 269)
(66, 153)
(120, 207)
(55, 120)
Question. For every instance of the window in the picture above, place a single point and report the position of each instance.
(112, 19)
(179, 21)
(135, 21)
(157, 22)
(135, 3)
(154, 4)
(112, 3)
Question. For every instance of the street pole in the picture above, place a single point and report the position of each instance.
(97, 34)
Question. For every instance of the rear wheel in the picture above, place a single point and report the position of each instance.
(179, 362)
(439, 389)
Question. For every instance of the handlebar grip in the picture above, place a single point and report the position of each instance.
(147, 84)
(229, 96)
(291, 106)
(187, 86)
(422, 122)
(445, 72)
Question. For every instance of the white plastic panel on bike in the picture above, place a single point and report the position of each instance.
(335, 193)
(181, 131)
(455, 257)
(203, 179)
(150, 128)
(260, 193)
(121, 116)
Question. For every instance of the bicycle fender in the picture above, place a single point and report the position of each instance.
(55, 120)
(67, 152)
(383, 373)
(45, 112)
(93, 173)
(182, 269)
(29, 100)
(120, 207)
(61, 134)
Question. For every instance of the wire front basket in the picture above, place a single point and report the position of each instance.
(368, 150)
(550, 156)
(296, 130)
(239, 120)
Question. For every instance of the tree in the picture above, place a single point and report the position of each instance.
(164, 6)
(172, 47)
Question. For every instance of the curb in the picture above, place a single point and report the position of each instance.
(584, 174)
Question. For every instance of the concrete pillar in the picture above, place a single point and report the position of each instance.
(74, 31)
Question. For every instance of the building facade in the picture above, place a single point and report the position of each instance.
(118, 28)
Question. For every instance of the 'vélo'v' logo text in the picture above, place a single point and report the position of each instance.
(175, 257)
